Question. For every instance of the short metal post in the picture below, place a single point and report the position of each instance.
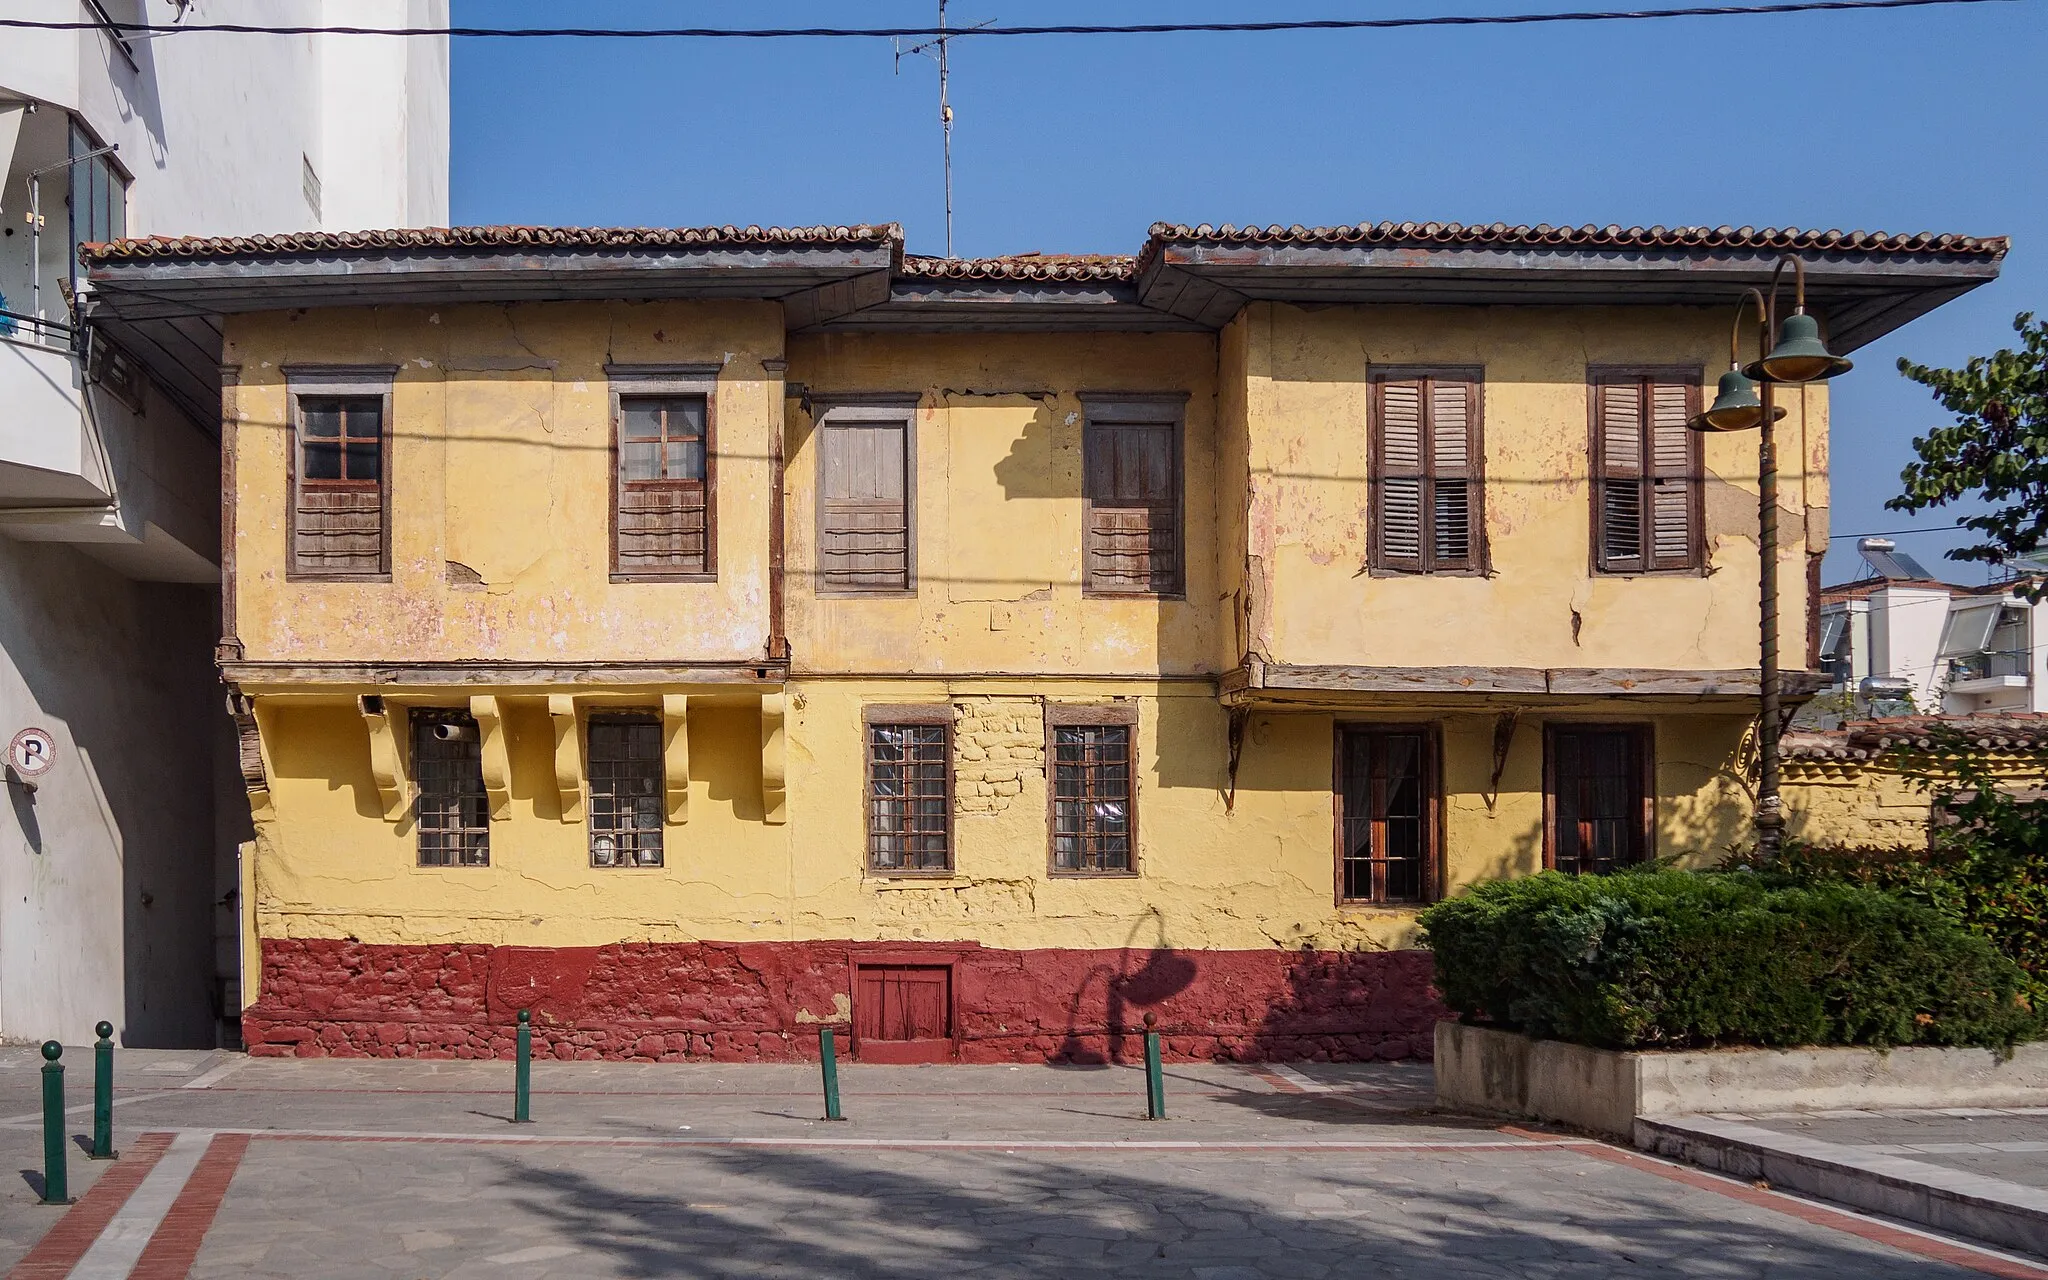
(1155, 1079)
(522, 1072)
(56, 1173)
(103, 1093)
(828, 1062)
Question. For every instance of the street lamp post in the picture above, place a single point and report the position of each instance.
(1792, 354)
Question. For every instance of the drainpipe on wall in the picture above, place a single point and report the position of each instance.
(778, 642)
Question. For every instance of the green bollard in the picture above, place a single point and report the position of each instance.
(103, 1094)
(828, 1062)
(1155, 1079)
(522, 1072)
(56, 1173)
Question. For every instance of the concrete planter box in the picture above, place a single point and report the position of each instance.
(1505, 1073)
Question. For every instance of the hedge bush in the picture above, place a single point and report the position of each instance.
(1674, 959)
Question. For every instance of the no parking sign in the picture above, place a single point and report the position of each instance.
(31, 753)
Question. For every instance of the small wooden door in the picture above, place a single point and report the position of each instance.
(903, 1013)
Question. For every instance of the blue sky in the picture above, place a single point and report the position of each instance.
(1926, 119)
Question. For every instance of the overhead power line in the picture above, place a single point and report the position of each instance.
(1057, 29)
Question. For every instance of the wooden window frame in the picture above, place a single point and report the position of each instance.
(885, 407)
(921, 713)
(1067, 715)
(632, 381)
(1645, 736)
(417, 718)
(1433, 810)
(1162, 408)
(650, 718)
(1480, 560)
(1693, 378)
(321, 382)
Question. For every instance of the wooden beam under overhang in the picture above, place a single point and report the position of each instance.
(814, 306)
(1258, 680)
(500, 677)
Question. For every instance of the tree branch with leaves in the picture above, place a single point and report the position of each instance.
(1995, 453)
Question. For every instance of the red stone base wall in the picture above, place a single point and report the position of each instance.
(734, 1002)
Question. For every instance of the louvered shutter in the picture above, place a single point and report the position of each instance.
(1454, 511)
(1646, 475)
(1401, 474)
(338, 498)
(1130, 475)
(864, 510)
(1673, 483)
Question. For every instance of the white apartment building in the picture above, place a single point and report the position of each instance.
(1901, 635)
(117, 861)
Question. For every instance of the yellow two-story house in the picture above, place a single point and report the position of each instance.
(701, 637)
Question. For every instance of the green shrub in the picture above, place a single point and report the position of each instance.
(1985, 865)
(1674, 959)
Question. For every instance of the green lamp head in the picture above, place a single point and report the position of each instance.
(1800, 355)
(1735, 408)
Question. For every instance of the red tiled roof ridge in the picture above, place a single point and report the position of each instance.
(1024, 266)
(1586, 235)
(484, 237)
(1864, 739)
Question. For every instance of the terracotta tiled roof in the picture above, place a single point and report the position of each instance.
(1588, 236)
(304, 242)
(1865, 739)
(1025, 266)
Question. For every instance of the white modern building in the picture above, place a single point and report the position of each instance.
(1899, 635)
(117, 861)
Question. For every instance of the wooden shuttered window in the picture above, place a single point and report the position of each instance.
(1131, 461)
(664, 495)
(867, 524)
(1647, 471)
(340, 461)
(1598, 797)
(1428, 508)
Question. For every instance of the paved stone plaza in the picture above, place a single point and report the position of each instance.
(402, 1170)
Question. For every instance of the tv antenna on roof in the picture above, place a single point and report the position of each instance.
(941, 43)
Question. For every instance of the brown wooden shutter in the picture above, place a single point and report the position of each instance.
(1131, 476)
(1646, 467)
(1401, 475)
(1454, 498)
(663, 493)
(1674, 488)
(338, 493)
(864, 523)
(1429, 506)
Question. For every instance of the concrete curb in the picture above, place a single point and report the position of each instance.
(1931, 1195)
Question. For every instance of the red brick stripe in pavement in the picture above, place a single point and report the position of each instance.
(1820, 1216)
(175, 1246)
(64, 1244)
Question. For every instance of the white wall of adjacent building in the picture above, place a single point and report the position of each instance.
(118, 866)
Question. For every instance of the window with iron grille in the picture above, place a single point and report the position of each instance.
(1131, 461)
(1597, 796)
(451, 813)
(340, 518)
(1647, 471)
(1387, 814)
(1428, 509)
(910, 791)
(663, 501)
(625, 791)
(1094, 822)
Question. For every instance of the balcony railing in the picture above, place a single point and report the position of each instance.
(1989, 666)
(27, 328)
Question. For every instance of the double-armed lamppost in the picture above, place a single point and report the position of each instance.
(1793, 354)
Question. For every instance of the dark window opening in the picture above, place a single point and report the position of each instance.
(452, 814)
(1387, 822)
(626, 791)
(1599, 798)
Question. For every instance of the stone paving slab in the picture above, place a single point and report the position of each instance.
(2012, 1146)
(411, 1169)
